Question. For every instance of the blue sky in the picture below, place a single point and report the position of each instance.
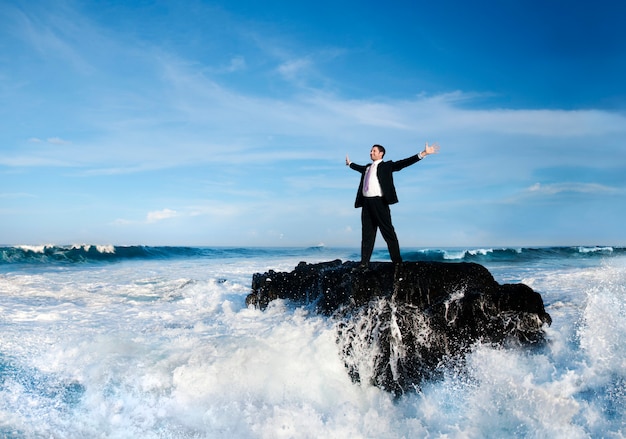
(227, 123)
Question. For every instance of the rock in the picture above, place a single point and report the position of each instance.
(401, 324)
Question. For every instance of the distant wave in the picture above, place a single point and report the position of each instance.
(512, 254)
(85, 253)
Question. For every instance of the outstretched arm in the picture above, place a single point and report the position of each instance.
(428, 150)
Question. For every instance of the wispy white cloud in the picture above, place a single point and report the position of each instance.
(214, 210)
(223, 121)
(545, 123)
(55, 33)
(57, 141)
(122, 222)
(150, 218)
(291, 69)
(571, 187)
(160, 215)
(217, 210)
(236, 64)
(556, 191)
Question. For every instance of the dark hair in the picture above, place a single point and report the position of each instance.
(381, 148)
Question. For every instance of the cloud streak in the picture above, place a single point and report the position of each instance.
(160, 215)
(581, 188)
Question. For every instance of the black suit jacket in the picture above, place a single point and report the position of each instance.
(384, 173)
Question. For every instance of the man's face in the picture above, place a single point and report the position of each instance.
(376, 154)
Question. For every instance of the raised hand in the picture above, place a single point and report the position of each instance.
(431, 149)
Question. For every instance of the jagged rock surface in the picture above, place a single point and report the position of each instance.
(401, 324)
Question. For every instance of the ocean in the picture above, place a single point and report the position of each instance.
(157, 342)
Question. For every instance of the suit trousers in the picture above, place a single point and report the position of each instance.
(375, 214)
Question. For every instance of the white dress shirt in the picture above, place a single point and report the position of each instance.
(373, 186)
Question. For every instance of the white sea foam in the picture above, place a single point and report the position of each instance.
(157, 349)
(454, 254)
(450, 254)
(100, 248)
(35, 248)
(594, 249)
(480, 251)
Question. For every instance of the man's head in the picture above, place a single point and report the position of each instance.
(377, 152)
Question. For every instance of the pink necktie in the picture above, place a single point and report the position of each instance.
(367, 179)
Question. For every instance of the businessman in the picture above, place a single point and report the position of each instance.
(376, 192)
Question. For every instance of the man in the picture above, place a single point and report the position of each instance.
(376, 192)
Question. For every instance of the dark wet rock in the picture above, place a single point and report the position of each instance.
(401, 324)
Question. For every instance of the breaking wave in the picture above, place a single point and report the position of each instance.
(88, 253)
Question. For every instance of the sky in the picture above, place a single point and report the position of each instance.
(222, 123)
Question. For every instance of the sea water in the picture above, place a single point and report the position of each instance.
(157, 342)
